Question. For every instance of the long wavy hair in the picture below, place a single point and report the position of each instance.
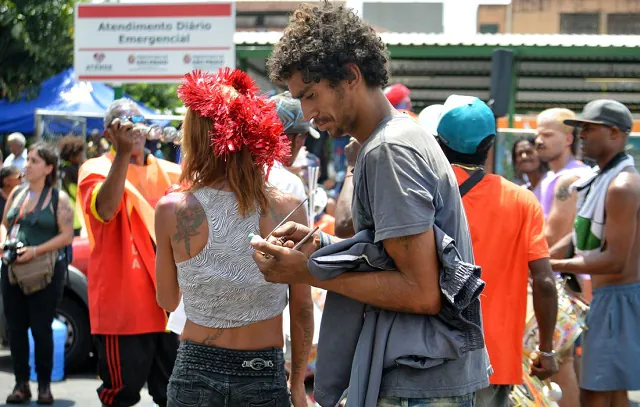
(201, 168)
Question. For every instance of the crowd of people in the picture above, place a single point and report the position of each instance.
(439, 275)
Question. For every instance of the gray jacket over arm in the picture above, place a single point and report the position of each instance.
(358, 343)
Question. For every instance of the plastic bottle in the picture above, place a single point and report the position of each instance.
(59, 341)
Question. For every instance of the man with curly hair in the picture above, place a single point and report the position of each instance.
(404, 187)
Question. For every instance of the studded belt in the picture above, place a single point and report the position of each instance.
(264, 362)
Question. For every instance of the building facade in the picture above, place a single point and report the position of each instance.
(561, 17)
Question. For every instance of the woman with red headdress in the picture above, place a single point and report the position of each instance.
(231, 350)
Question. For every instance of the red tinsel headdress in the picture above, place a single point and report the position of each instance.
(240, 116)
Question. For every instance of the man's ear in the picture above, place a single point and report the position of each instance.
(571, 136)
(354, 77)
(107, 134)
(617, 134)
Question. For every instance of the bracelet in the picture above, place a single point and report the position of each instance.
(325, 240)
(35, 251)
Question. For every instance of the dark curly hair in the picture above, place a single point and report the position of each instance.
(70, 146)
(321, 40)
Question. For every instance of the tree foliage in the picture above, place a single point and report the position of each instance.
(156, 96)
(36, 42)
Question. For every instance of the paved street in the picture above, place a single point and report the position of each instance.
(77, 390)
(80, 389)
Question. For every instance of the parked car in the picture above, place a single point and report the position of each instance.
(73, 310)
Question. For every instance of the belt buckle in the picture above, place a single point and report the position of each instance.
(257, 363)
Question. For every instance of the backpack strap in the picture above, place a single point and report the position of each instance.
(55, 196)
(471, 182)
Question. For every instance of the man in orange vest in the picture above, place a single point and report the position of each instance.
(117, 193)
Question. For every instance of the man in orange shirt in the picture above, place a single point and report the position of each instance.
(507, 234)
(117, 193)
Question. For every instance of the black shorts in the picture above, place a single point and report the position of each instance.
(127, 362)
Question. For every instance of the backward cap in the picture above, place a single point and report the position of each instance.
(465, 121)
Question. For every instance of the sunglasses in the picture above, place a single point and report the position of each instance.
(133, 119)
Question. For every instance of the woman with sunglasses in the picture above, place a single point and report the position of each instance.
(41, 218)
(231, 350)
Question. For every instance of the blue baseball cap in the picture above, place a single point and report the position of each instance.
(464, 122)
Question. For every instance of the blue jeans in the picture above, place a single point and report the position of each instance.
(205, 376)
(468, 400)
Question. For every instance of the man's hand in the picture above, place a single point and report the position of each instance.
(121, 136)
(284, 265)
(298, 396)
(291, 233)
(544, 367)
(351, 152)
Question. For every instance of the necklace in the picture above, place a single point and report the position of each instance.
(470, 167)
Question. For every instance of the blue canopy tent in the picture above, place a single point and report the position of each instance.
(62, 92)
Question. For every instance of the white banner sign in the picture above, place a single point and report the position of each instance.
(150, 43)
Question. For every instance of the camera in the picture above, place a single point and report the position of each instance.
(10, 248)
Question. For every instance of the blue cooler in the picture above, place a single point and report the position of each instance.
(59, 340)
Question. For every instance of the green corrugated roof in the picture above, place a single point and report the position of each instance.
(418, 45)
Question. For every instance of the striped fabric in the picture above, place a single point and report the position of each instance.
(112, 350)
(222, 286)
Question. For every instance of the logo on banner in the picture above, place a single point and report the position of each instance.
(98, 66)
(187, 58)
(209, 62)
(157, 63)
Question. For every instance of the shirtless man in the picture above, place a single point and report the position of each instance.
(606, 236)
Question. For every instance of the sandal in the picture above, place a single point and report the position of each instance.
(44, 394)
(21, 394)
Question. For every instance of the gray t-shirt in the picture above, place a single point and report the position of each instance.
(403, 186)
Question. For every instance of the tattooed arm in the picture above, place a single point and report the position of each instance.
(181, 233)
(563, 210)
(301, 311)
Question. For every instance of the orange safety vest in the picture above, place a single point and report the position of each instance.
(122, 295)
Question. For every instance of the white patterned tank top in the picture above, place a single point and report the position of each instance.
(222, 286)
